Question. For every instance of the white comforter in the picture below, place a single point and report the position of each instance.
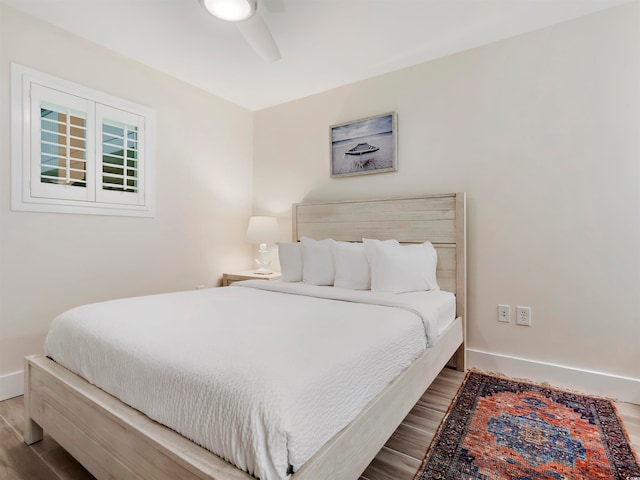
(262, 376)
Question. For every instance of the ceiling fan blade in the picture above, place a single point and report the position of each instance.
(257, 34)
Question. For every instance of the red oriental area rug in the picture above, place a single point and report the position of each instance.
(498, 428)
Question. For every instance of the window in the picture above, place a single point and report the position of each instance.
(77, 150)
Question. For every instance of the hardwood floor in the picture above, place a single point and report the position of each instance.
(398, 460)
(403, 453)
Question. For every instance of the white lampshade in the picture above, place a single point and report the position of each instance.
(230, 10)
(262, 230)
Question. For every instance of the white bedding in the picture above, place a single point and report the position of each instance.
(261, 373)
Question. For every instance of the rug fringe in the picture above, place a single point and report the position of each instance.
(541, 384)
(442, 423)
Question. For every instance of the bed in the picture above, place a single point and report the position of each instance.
(113, 440)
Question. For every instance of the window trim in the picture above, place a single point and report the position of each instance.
(21, 123)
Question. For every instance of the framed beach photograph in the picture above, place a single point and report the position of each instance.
(364, 146)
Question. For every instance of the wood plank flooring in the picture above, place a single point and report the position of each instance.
(398, 460)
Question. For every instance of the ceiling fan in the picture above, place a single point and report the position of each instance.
(250, 24)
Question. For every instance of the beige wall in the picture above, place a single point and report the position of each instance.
(51, 262)
(543, 133)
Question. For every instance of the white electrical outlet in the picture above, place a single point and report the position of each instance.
(504, 313)
(523, 316)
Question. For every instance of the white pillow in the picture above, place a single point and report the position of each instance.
(401, 269)
(368, 246)
(352, 262)
(351, 266)
(317, 261)
(290, 255)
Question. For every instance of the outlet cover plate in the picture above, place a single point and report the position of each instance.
(504, 313)
(523, 316)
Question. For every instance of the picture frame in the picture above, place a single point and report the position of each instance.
(364, 146)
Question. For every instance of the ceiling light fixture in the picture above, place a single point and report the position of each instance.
(230, 10)
(244, 13)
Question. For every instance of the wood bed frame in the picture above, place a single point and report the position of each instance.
(113, 440)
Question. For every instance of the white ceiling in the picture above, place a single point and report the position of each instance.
(324, 43)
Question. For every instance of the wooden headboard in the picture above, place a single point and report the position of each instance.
(441, 219)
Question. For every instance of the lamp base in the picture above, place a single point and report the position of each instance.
(262, 271)
(262, 261)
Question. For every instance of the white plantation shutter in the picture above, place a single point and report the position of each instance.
(78, 150)
(119, 154)
(60, 134)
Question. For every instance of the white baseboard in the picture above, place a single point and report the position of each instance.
(589, 382)
(11, 385)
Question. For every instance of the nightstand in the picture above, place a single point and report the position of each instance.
(229, 278)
